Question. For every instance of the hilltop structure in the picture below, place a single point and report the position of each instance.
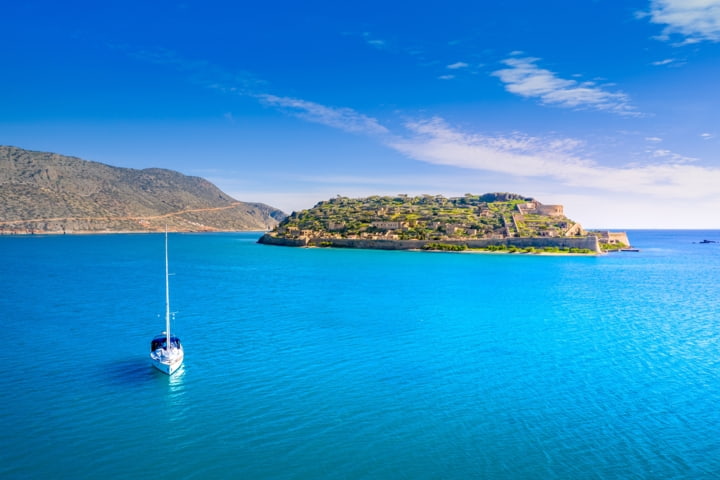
(404, 222)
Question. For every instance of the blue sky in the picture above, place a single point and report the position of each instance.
(609, 108)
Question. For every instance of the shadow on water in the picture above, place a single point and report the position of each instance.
(139, 372)
(132, 371)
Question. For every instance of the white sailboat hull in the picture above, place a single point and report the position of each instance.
(167, 362)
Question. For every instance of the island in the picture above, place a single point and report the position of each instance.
(491, 222)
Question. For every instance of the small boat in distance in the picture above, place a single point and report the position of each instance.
(166, 351)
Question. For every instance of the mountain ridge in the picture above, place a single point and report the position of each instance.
(44, 192)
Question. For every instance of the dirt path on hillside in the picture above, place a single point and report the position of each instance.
(106, 218)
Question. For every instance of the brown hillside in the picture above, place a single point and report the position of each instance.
(46, 192)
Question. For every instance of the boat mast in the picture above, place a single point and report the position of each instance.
(167, 295)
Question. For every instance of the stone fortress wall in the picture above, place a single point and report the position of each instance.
(613, 238)
(540, 209)
(589, 242)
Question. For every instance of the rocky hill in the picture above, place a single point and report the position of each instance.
(403, 222)
(50, 193)
(431, 217)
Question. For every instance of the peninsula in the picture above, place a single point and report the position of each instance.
(43, 192)
(493, 221)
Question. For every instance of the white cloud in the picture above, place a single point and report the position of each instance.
(435, 142)
(671, 156)
(446, 77)
(509, 160)
(707, 136)
(457, 65)
(526, 79)
(345, 119)
(660, 63)
(693, 20)
(374, 42)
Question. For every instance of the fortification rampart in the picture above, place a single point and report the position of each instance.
(613, 237)
(551, 210)
(589, 242)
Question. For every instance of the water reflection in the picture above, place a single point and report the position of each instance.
(175, 381)
(176, 397)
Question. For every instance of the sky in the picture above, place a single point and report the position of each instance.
(610, 108)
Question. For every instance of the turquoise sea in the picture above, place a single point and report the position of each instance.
(352, 364)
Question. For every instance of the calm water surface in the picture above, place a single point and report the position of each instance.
(350, 364)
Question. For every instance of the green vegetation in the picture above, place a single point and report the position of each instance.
(608, 247)
(445, 247)
(432, 218)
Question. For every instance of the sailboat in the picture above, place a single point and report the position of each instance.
(166, 351)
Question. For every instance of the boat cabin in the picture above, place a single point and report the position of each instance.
(161, 342)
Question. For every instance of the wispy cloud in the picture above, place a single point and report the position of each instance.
(373, 41)
(210, 76)
(671, 156)
(457, 65)
(666, 175)
(434, 141)
(707, 136)
(199, 72)
(692, 20)
(525, 78)
(660, 63)
(345, 119)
